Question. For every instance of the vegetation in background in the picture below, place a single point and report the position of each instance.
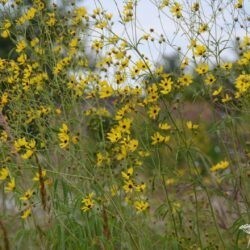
(103, 148)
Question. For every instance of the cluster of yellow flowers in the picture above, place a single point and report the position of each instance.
(110, 128)
(65, 138)
(24, 147)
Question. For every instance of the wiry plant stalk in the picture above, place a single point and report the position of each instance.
(5, 236)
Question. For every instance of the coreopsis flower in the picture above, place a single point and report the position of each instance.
(217, 91)
(210, 79)
(102, 158)
(226, 65)
(166, 85)
(88, 202)
(176, 9)
(114, 135)
(26, 213)
(132, 144)
(51, 19)
(203, 28)
(202, 69)
(152, 94)
(34, 42)
(97, 45)
(141, 206)
(75, 139)
(192, 126)
(6, 25)
(80, 12)
(239, 4)
(105, 90)
(242, 84)
(185, 80)
(200, 50)
(4, 99)
(3, 136)
(27, 195)
(127, 174)
(226, 98)
(26, 148)
(4, 173)
(245, 41)
(219, 166)
(128, 11)
(114, 190)
(128, 186)
(5, 33)
(153, 111)
(121, 152)
(124, 125)
(140, 187)
(164, 126)
(245, 58)
(22, 59)
(20, 46)
(63, 136)
(157, 138)
(37, 176)
(10, 186)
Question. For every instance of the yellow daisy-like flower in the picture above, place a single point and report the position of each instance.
(129, 186)
(10, 186)
(153, 111)
(88, 202)
(176, 9)
(37, 176)
(164, 126)
(114, 135)
(202, 69)
(185, 80)
(126, 175)
(4, 173)
(200, 50)
(157, 138)
(63, 136)
(26, 213)
(210, 79)
(192, 126)
(141, 206)
(28, 194)
(217, 91)
(219, 166)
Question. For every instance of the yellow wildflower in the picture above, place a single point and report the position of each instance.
(10, 186)
(126, 175)
(153, 111)
(88, 202)
(4, 173)
(202, 69)
(219, 166)
(28, 194)
(176, 9)
(192, 126)
(26, 213)
(157, 138)
(141, 206)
